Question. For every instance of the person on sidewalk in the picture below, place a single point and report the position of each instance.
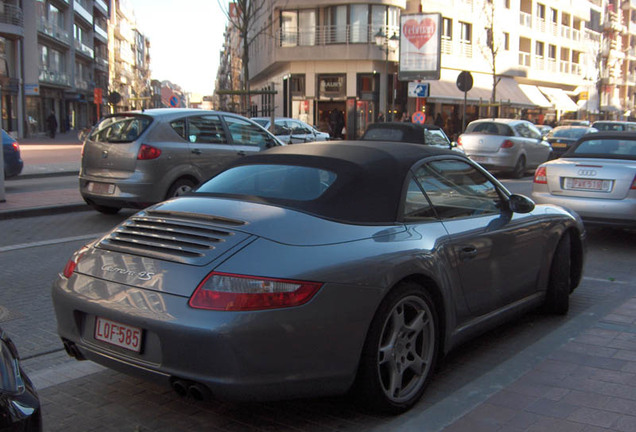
(51, 123)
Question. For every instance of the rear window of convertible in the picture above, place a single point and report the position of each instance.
(285, 182)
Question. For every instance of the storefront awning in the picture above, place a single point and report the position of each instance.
(445, 90)
(535, 95)
(559, 99)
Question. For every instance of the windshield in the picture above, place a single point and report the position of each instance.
(568, 132)
(612, 148)
(123, 128)
(286, 182)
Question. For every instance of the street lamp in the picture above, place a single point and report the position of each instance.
(387, 44)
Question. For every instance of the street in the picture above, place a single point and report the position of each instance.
(35, 249)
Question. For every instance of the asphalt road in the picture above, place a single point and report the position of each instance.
(34, 250)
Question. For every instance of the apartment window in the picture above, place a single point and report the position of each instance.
(447, 28)
(552, 50)
(554, 16)
(540, 11)
(539, 49)
(289, 28)
(298, 86)
(466, 32)
(506, 41)
(507, 4)
(359, 23)
(336, 17)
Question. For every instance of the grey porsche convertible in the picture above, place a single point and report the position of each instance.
(317, 269)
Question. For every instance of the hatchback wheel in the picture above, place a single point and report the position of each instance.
(180, 187)
(400, 351)
(520, 168)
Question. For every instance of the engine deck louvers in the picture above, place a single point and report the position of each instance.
(187, 238)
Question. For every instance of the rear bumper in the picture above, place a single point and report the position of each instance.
(131, 192)
(494, 161)
(594, 211)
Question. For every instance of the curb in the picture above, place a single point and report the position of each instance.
(43, 174)
(43, 211)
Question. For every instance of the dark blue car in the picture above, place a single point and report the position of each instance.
(12, 161)
(19, 402)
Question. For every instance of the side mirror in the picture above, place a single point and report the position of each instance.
(520, 204)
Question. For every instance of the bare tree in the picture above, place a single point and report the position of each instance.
(491, 45)
(250, 19)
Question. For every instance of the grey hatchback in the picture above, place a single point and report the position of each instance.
(135, 159)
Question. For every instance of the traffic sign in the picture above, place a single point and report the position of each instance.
(418, 117)
(464, 81)
(417, 89)
(174, 101)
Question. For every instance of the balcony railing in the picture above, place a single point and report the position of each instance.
(81, 84)
(101, 4)
(11, 14)
(54, 77)
(465, 49)
(539, 24)
(566, 32)
(53, 31)
(328, 35)
(101, 62)
(447, 45)
(81, 11)
(551, 65)
(539, 62)
(84, 49)
(524, 58)
(100, 31)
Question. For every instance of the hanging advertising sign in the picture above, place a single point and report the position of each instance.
(420, 46)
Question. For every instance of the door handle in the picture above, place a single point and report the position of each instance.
(196, 151)
(467, 253)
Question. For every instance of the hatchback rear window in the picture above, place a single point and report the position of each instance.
(124, 128)
(489, 128)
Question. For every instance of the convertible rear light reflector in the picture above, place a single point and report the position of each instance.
(69, 268)
(230, 292)
(541, 176)
(147, 152)
(507, 144)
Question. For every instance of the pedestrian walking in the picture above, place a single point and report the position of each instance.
(51, 123)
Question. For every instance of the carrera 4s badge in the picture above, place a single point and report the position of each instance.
(143, 275)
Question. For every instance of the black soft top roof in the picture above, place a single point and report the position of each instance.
(370, 176)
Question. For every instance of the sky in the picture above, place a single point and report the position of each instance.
(186, 37)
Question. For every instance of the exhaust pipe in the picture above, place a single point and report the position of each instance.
(199, 392)
(72, 350)
(187, 388)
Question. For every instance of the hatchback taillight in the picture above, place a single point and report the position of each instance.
(147, 152)
(230, 292)
(16, 147)
(541, 175)
(459, 141)
(507, 144)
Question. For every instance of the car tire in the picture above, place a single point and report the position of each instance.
(557, 299)
(399, 354)
(105, 209)
(520, 168)
(180, 187)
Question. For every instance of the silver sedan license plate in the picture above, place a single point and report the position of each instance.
(101, 188)
(587, 184)
(118, 334)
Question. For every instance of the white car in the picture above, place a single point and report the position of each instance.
(292, 131)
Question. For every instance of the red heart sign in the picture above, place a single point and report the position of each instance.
(418, 33)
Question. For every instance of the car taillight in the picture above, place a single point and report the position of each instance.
(147, 152)
(507, 144)
(16, 147)
(634, 183)
(541, 175)
(70, 266)
(230, 292)
(459, 141)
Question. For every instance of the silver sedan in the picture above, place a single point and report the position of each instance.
(317, 269)
(596, 178)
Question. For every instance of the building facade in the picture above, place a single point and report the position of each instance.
(545, 60)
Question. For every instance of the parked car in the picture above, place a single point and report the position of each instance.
(574, 122)
(314, 269)
(544, 129)
(596, 178)
(135, 159)
(614, 125)
(509, 145)
(561, 138)
(292, 131)
(13, 163)
(19, 403)
(414, 133)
